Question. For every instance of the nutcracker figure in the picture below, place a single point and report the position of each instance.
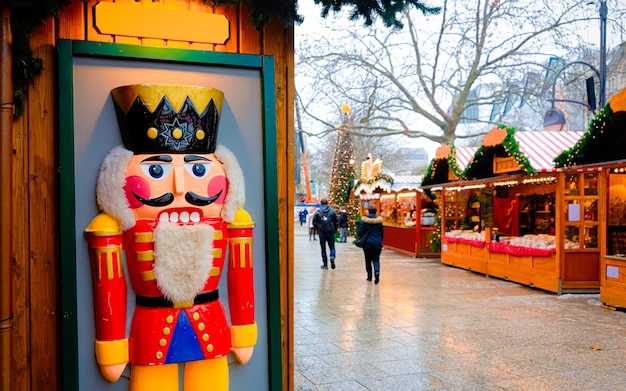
(172, 200)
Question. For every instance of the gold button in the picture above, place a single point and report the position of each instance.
(159, 355)
(177, 133)
(162, 342)
(205, 337)
(209, 348)
(166, 331)
(201, 326)
(152, 133)
(200, 134)
(196, 316)
(169, 319)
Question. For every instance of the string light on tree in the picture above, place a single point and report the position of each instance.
(342, 177)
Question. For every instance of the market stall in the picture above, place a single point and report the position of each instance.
(515, 216)
(371, 184)
(408, 217)
(602, 149)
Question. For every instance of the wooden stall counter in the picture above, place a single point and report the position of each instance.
(401, 239)
(613, 281)
(536, 267)
(465, 250)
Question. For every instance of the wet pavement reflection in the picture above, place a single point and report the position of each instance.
(432, 327)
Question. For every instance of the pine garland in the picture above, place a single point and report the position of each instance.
(434, 238)
(429, 176)
(587, 145)
(26, 16)
(511, 147)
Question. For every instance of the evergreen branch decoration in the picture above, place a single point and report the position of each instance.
(26, 16)
(451, 160)
(434, 237)
(368, 9)
(430, 172)
(585, 148)
(377, 178)
(453, 163)
(263, 11)
(509, 144)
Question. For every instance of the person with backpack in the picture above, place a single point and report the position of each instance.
(372, 226)
(326, 223)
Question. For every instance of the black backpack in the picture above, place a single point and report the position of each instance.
(325, 222)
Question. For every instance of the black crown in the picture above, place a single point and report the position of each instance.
(171, 119)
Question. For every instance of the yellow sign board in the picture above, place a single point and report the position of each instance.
(133, 20)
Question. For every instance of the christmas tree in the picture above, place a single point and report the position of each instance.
(343, 174)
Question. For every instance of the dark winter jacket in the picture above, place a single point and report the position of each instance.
(374, 225)
(325, 209)
(343, 219)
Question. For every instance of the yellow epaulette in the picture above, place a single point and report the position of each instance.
(242, 220)
(103, 225)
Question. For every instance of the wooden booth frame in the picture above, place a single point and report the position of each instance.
(71, 51)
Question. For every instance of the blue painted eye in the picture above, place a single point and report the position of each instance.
(198, 170)
(156, 171)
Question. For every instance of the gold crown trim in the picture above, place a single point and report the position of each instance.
(152, 94)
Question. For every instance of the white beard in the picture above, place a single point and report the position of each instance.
(183, 257)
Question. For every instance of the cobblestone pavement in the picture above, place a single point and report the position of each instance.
(427, 326)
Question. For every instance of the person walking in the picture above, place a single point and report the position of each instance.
(372, 226)
(302, 215)
(326, 223)
(343, 225)
(309, 223)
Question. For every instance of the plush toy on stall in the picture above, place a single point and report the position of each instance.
(172, 200)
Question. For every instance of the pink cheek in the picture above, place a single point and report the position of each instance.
(138, 185)
(216, 184)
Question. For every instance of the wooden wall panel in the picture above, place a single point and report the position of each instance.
(42, 193)
(277, 43)
(21, 338)
(248, 37)
(36, 363)
(232, 14)
(288, 267)
(71, 23)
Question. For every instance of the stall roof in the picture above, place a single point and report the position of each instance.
(532, 151)
(604, 139)
(448, 158)
(406, 182)
(464, 155)
(542, 147)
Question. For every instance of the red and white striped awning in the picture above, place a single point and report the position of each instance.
(464, 155)
(542, 147)
(406, 182)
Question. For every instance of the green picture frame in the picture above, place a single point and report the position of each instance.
(262, 68)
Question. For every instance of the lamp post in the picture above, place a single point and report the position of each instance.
(603, 14)
(554, 118)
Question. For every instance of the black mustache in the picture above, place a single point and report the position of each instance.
(163, 200)
(198, 200)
